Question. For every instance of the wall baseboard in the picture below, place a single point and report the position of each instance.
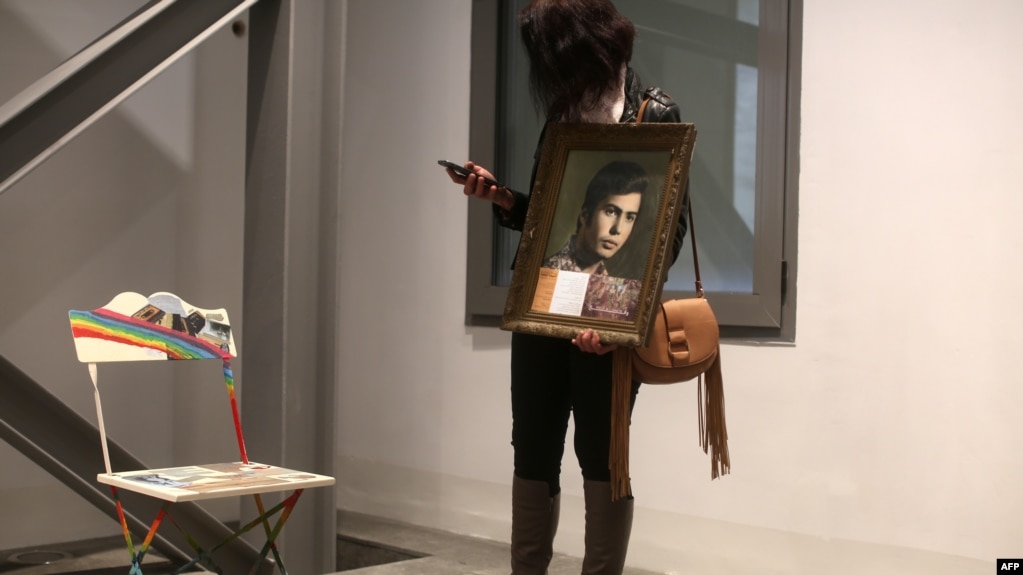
(663, 542)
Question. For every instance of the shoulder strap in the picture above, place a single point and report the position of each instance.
(692, 228)
(642, 110)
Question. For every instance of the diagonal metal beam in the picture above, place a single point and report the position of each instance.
(59, 106)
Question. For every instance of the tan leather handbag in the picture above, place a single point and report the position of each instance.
(684, 344)
(684, 339)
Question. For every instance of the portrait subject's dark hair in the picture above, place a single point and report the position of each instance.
(615, 179)
(576, 52)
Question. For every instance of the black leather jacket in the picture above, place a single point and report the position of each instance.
(660, 109)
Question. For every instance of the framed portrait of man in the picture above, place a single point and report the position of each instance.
(597, 239)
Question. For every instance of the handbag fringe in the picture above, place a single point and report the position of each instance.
(713, 431)
(621, 390)
(710, 393)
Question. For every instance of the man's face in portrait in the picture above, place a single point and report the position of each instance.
(603, 232)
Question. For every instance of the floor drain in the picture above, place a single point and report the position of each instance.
(39, 557)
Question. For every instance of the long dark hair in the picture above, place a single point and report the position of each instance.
(576, 52)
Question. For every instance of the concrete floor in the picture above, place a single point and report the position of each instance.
(367, 546)
(443, 553)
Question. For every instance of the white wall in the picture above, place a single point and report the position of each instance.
(884, 441)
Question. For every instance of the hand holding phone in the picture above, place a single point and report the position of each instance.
(462, 171)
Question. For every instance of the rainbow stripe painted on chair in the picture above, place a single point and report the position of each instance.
(118, 328)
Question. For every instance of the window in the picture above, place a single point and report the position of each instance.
(733, 67)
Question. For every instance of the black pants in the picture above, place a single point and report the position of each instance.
(551, 378)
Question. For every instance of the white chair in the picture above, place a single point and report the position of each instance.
(133, 327)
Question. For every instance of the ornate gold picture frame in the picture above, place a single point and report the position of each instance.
(597, 239)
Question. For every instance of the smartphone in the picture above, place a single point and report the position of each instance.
(461, 171)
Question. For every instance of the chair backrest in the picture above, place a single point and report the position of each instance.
(133, 327)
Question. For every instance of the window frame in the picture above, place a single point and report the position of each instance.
(766, 314)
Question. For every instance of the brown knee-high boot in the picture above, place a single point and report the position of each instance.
(608, 526)
(534, 523)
